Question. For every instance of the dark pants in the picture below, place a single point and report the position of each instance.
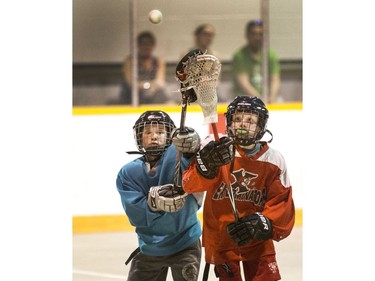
(184, 265)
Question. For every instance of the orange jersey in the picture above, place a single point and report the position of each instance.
(260, 183)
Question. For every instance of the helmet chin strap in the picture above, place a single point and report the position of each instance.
(268, 131)
(257, 141)
(269, 141)
(152, 159)
(135, 152)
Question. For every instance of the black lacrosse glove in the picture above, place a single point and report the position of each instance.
(252, 227)
(214, 155)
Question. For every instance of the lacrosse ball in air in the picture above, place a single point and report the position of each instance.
(146, 85)
(155, 16)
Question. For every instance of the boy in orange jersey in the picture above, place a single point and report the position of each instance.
(261, 190)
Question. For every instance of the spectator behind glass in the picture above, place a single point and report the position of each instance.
(247, 65)
(151, 73)
(204, 35)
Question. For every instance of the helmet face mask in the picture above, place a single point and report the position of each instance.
(152, 132)
(244, 127)
(246, 120)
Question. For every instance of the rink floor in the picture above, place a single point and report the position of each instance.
(101, 256)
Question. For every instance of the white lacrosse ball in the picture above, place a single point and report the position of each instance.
(155, 16)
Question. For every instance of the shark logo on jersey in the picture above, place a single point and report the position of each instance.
(241, 189)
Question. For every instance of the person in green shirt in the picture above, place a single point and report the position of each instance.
(247, 66)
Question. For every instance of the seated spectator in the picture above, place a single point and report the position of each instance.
(151, 73)
(203, 37)
(247, 66)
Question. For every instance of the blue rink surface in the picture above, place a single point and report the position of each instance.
(101, 256)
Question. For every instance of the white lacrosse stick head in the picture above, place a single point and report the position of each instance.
(202, 74)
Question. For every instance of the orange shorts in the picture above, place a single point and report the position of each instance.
(262, 269)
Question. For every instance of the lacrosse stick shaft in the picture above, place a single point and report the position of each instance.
(182, 126)
(214, 129)
(226, 176)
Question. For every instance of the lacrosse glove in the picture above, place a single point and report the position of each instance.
(252, 227)
(186, 140)
(215, 154)
(167, 198)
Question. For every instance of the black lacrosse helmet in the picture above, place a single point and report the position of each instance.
(247, 104)
(154, 118)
